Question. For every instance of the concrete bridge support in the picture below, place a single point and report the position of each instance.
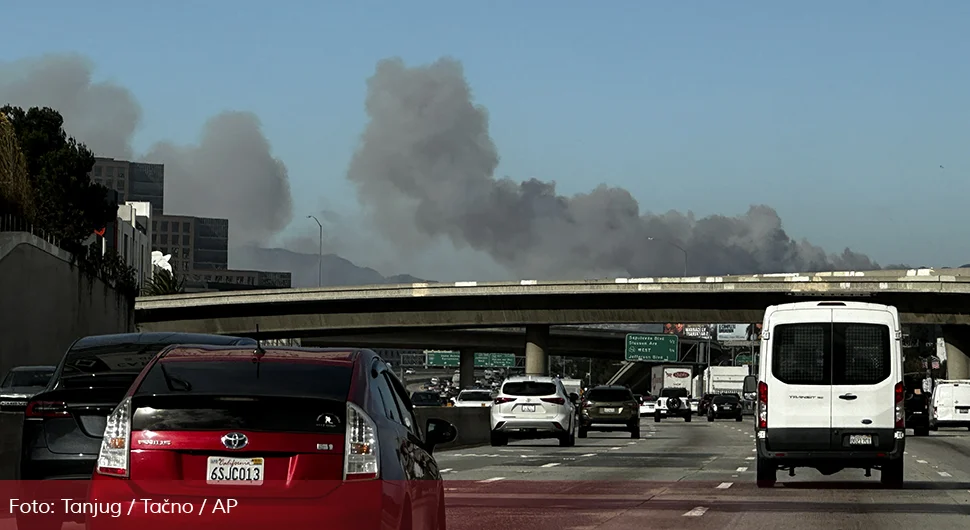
(466, 369)
(536, 354)
(957, 340)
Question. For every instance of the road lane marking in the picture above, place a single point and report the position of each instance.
(446, 470)
(724, 485)
(921, 461)
(493, 479)
(944, 474)
(631, 443)
(696, 512)
(589, 454)
(615, 448)
(755, 450)
(551, 464)
(741, 469)
(749, 458)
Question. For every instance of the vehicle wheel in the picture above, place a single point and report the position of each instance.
(499, 439)
(739, 418)
(933, 427)
(582, 432)
(656, 418)
(892, 473)
(767, 473)
(921, 431)
(710, 418)
(442, 523)
(568, 440)
(688, 417)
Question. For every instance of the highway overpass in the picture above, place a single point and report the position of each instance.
(924, 296)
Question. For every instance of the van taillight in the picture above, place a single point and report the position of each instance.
(113, 457)
(900, 394)
(46, 409)
(762, 405)
(361, 450)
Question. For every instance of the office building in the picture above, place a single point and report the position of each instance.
(195, 243)
(134, 181)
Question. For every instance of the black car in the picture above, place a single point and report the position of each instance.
(917, 408)
(725, 406)
(22, 383)
(427, 399)
(64, 424)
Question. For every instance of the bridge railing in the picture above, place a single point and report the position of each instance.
(14, 223)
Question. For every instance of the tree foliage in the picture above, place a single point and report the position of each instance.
(49, 185)
(67, 204)
(164, 282)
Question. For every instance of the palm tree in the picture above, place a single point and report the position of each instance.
(164, 282)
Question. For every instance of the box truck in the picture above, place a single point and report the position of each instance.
(670, 376)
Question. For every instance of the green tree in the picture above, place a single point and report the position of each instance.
(16, 193)
(68, 205)
(164, 282)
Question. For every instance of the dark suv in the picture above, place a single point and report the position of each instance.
(610, 408)
(725, 406)
(294, 436)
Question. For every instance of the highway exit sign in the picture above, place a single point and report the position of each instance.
(651, 348)
(452, 359)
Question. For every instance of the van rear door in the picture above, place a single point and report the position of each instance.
(798, 379)
(952, 401)
(866, 365)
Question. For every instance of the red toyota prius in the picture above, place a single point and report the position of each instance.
(253, 437)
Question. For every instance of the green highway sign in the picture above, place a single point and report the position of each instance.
(743, 359)
(651, 348)
(452, 359)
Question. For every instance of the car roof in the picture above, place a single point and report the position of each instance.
(192, 352)
(37, 368)
(538, 378)
(158, 337)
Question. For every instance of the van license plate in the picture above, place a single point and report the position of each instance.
(234, 471)
(860, 439)
(528, 408)
(609, 410)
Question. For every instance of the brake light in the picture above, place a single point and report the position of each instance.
(500, 400)
(113, 457)
(900, 414)
(555, 400)
(46, 409)
(762, 405)
(361, 452)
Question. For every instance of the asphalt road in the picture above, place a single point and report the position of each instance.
(695, 475)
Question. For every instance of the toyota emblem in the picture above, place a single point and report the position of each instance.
(235, 440)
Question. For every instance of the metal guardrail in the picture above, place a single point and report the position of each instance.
(13, 223)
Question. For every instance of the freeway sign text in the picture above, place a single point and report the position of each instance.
(651, 348)
(452, 359)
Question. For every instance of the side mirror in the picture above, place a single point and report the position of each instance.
(750, 389)
(437, 432)
(574, 397)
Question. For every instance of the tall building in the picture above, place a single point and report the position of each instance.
(195, 243)
(134, 181)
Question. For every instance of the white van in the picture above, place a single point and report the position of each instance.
(951, 404)
(830, 390)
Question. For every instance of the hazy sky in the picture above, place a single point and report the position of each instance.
(837, 114)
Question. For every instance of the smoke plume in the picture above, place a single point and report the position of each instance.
(425, 168)
(231, 172)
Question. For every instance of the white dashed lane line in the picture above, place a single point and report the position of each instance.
(742, 469)
(446, 470)
(724, 485)
(493, 479)
(696, 512)
(749, 458)
(921, 461)
(944, 474)
(551, 464)
(589, 454)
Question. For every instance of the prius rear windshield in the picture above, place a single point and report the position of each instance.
(244, 378)
(826, 354)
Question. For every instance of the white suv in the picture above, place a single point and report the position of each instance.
(830, 390)
(531, 407)
(673, 401)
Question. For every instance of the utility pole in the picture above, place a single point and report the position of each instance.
(675, 245)
(320, 255)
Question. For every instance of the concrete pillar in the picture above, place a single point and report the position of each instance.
(536, 356)
(466, 371)
(957, 340)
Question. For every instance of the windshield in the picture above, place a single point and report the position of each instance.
(674, 393)
(609, 394)
(264, 379)
(720, 400)
(27, 378)
(529, 389)
(116, 358)
(475, 396)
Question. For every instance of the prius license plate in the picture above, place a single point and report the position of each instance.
(234, 471)
(528, 408)
(609, 410)
(860, 439)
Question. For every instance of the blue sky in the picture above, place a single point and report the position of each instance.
(838, 114)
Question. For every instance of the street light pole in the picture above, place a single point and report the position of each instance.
(675, 245)
(320, 255)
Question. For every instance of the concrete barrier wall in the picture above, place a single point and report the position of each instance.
(46, 304)
(472, 423)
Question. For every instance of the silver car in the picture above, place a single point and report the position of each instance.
(532, 407)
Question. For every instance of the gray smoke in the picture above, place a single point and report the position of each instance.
(231, 172)
(425, 168)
